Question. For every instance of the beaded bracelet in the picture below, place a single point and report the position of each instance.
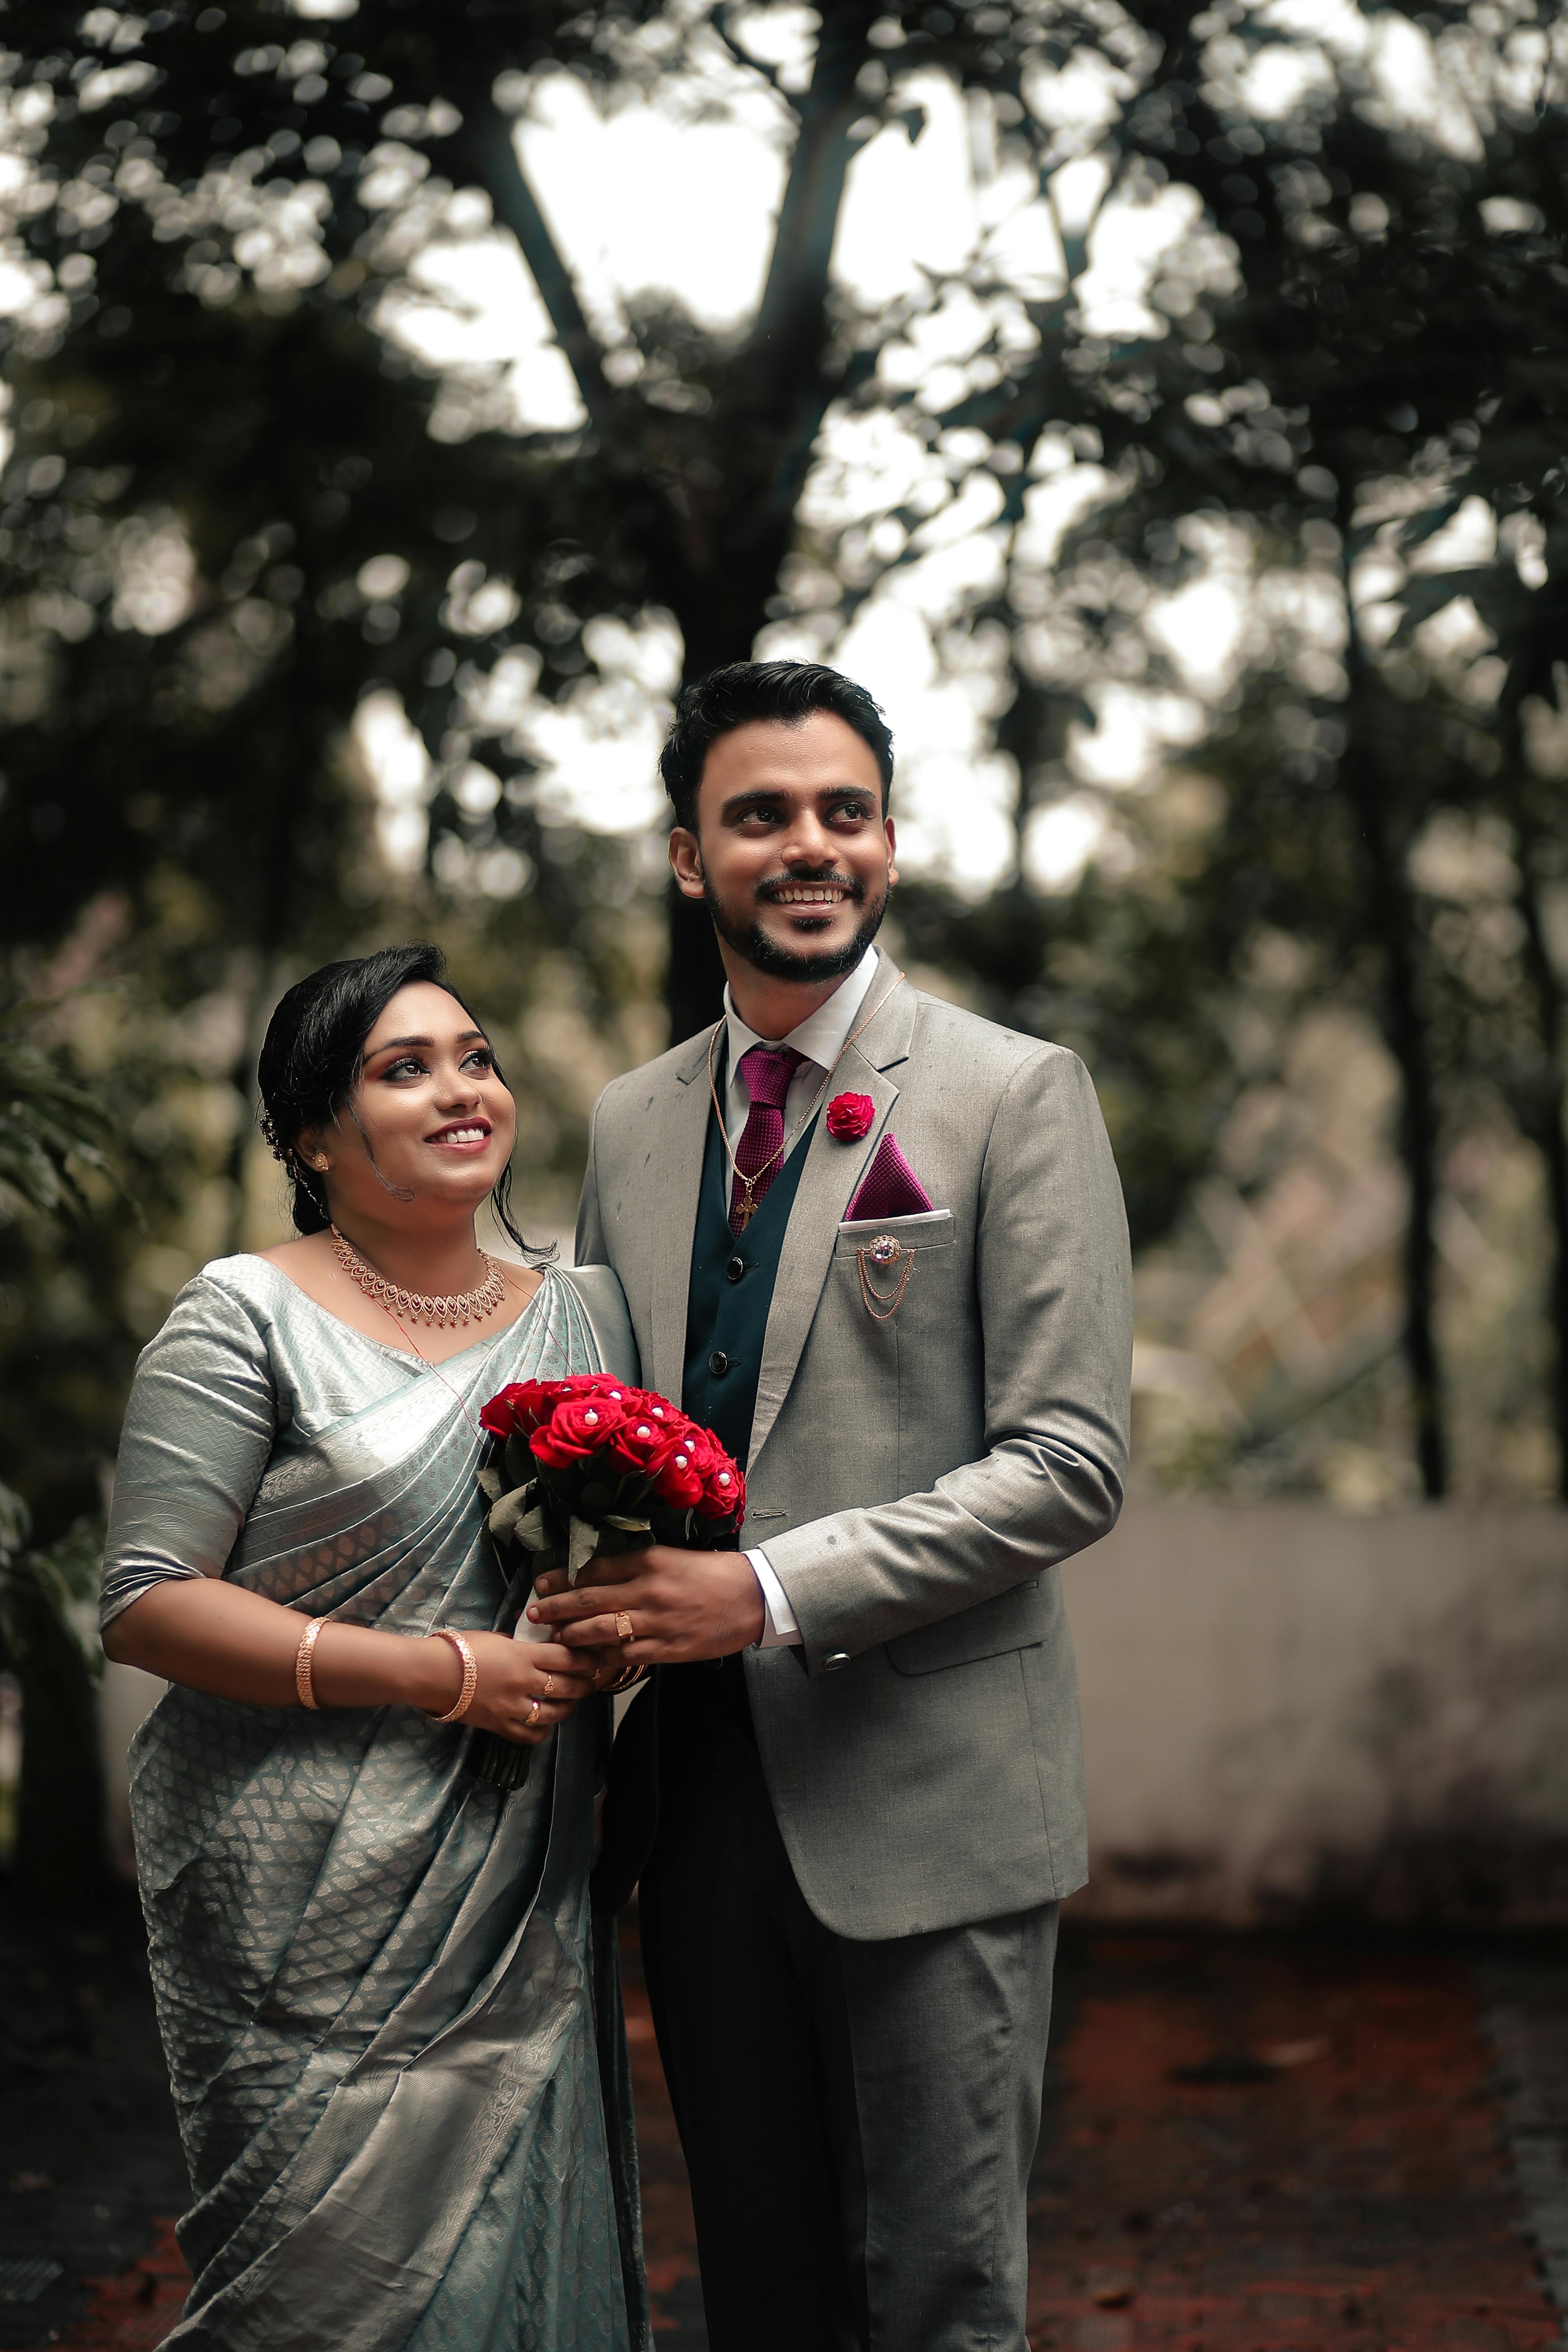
(470, 1672)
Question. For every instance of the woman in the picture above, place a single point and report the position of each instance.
(399, 2065)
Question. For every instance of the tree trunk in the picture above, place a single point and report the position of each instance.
(1545, 1118)
(1392, 928)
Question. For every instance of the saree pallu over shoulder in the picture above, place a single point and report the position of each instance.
(397, 2058)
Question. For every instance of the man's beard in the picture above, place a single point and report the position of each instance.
(800, 965)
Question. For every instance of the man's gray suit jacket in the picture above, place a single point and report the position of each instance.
(916, 1482)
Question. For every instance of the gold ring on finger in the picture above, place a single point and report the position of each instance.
(549, 1684)
(534, 1712)
(623, 1626)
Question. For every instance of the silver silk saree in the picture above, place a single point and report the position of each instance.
(397, 2057)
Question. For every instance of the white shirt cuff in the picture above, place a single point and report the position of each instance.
(779, 1627)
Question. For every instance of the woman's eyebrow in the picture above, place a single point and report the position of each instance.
(466, 1037)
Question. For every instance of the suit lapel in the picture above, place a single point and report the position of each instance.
(673, 1180)
(827, 1185)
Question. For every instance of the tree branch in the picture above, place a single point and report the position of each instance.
(492, 151)
(743, 56)
(793, 298)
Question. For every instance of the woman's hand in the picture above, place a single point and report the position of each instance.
(217, 1637)
(525, 1688)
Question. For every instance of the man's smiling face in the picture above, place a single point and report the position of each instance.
(791, 850)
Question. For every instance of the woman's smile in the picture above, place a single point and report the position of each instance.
(466, 1137)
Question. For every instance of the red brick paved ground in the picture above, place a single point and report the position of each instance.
(1332, 2181)
(1353, 2194)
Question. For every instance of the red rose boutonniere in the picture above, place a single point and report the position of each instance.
(850, 1117)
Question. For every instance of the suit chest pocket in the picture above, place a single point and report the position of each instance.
(885, 1257)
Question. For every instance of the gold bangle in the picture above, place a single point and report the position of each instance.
(470, 1673)
(304, 1686)
(625, 1679)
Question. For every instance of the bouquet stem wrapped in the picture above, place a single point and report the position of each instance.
(591, 1465)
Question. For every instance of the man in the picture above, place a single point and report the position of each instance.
(878, 1245)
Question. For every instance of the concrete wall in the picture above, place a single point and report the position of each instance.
(1289, 1711)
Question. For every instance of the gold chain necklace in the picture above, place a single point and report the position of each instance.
(749, 1183)
(468, 1307)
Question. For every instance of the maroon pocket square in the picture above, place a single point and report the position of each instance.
(890, 1187)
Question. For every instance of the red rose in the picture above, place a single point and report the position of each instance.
(523, 1405)
(724, 1488)
(678, 1476)
(659, 1409)
(576, 1430)
(512, 1409)
(849, 1117)
(641, 1440)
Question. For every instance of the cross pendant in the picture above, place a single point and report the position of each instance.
(747, 1209)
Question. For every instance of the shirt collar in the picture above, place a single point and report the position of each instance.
(820, 1037)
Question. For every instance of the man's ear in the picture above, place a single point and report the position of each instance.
(892, 847)
(686, 862)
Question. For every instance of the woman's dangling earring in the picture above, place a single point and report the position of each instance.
(315, 1195)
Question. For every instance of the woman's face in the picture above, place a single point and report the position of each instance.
(438, 1118)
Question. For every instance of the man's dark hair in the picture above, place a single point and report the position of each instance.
(743, 691)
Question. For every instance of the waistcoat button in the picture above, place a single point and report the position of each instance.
(734, 1268)
(834, 1658)
(717, 1363)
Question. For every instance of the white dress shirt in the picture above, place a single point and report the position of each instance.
(820, 1039)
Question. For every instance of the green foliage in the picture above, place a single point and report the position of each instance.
(1367, 326)
(45, 1594)
(47, 1122)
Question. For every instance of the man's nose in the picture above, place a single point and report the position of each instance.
(808, 842)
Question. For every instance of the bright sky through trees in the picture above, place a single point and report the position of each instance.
(671, 197)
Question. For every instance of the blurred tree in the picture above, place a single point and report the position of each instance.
(49, 1125)
(52, 1133)
(220, 454)
(236, 503)
(1389, 339)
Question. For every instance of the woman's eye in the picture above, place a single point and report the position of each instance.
(480, 1059)
(409, 1067)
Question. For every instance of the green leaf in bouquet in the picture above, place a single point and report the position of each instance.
(518, 1518)
(517, 1462)
(596, 1498)
(583, 1543)
(628, 1526)
(491, 1485)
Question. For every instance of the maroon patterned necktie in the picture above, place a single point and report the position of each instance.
(767, 1070)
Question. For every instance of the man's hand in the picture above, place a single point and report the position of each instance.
(682, 1605)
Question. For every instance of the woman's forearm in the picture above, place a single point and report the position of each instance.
(213, 1636)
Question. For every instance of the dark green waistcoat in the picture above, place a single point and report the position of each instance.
(731, 1289)
(693, 1706)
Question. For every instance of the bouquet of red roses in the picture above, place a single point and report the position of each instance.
(592, 1464)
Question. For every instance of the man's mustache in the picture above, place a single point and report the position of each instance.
(778, 882)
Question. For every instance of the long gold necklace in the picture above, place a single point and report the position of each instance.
(468, 1307)
(749, 1202)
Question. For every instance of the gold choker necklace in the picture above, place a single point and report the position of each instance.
(471, 1307)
